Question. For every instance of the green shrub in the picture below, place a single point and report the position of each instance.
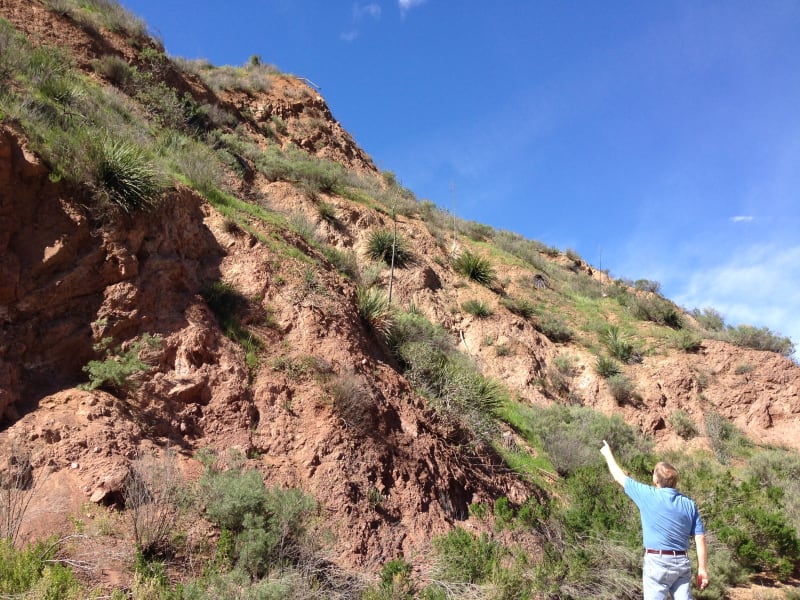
(560, 374)
(477, 307)
(747, 518)
(327, 212)
(519, 306)
(503, 350)
(528, 250)
(569, 435)
(760, 338)
(115, 69)
(232, 495)
(687, 341)
(34, 572)
(382, 242)
(395, 583)
(601, 569)
(126, 176)
(554, 327)
(374, 308)
(101, 13)
(122, 368)
(621, 387)
(565, 365)
(780, 469)
(464, 557)
(647, 285)
(656, 309)
(573, 256)
(303, 227)
(721, 434)
(197, 163)
(435, 368)
(269, 525)
(413, 328)
(605, 366)
(345, 261)
(683, 424)
(478, 231)
(296, 166)
(14, 52)
(585, 286)
(475, 267)
(709, 319)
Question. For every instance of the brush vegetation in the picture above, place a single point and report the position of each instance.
(128, 142)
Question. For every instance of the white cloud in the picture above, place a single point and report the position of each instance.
(372, 10)
(758, 285)
(742, 219)
(406, 5)
(360, 12)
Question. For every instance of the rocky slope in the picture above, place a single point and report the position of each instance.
(69, 279)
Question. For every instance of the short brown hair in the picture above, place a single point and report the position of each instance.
(666, 475)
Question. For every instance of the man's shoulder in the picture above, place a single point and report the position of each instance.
(636, 488)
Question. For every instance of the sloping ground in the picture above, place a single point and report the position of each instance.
(388, 472)
(145, 275)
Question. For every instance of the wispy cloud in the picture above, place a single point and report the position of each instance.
(406, 5)
(742, 219)
(361, 12)
(372, 10)
(758, 285)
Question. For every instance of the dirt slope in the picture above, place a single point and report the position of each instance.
(67, 280)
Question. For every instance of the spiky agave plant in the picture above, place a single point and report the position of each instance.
(475, 267)
(127, 176)
(379, 247)
(374, 308)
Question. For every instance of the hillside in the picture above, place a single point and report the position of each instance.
(216, 232)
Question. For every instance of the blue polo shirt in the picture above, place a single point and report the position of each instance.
(669, 518)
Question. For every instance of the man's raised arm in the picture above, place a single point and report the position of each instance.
(616, 472)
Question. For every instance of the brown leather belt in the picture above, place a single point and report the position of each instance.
(667, 552)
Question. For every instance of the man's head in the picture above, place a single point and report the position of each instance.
(665, 475)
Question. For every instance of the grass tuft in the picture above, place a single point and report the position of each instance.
(379, 247)
(475, 267)
(127, 177)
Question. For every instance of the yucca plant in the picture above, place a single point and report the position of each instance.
(477, 307)
(475, 267)
(379, 247)
(127, 176)
(374, 308)
(617, 343)
(606, 366)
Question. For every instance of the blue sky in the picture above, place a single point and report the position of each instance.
(659, 140)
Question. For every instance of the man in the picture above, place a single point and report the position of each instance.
(668, 520)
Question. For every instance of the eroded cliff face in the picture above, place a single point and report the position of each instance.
(70, 277)
(72, 280)
(69, 280)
